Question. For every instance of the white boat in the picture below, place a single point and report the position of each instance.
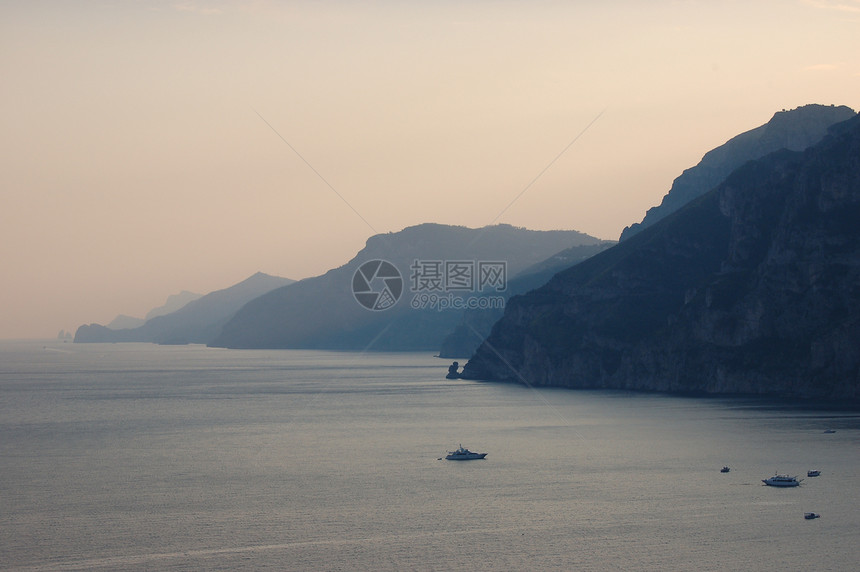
(781, 481)
(813, 473)
(463, 454)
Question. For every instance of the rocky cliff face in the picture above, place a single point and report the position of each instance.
(753, 288)
(794, 130)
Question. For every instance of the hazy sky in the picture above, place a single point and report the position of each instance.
(139, 154)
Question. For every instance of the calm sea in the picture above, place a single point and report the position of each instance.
(140, 457)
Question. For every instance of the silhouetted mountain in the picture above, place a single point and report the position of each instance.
(123, 322)
(794, 130)
(475, 325)
(323, 312)
(753, 288)
(174, 302)
(196, 322)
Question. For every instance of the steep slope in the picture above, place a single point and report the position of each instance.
(475, 324)
(323, 313)
(752, 288)
(197, 322)
(794, 130)
(174, 302)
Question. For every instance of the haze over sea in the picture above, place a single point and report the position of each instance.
(143, 457)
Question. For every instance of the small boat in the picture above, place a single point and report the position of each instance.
(813, 473)
(781, 481)
(725, 469)
(463, 454)
(830, 430)
(811, 515)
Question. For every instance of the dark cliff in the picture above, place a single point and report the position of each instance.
(794, 130)
(475, 325)
(753, 288)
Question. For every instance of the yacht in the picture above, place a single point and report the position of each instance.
(813, 473)
(781, 481)
(463, 454)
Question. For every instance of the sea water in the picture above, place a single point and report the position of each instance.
(143, 457)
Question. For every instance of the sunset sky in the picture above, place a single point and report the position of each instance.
(152, 147)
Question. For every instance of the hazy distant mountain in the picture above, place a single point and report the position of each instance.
(475, 325)
(123, 322)
(197, 321)
(173, 303)
(752, 288)
(324, 313)
(794, 130)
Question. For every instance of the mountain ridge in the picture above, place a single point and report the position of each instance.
(795, 130)
(197, 321)
(752, 288)
(476, 324)
(323, 313)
